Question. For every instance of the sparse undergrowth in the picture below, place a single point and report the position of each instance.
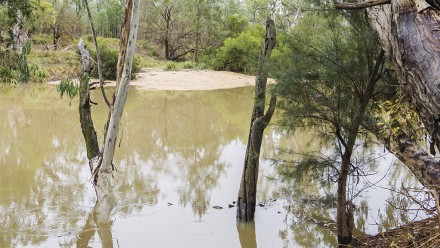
(63, 63)
(424, 233)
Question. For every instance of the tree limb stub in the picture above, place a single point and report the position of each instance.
(361, 5)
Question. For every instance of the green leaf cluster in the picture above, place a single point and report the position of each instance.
(326, 64)
(240, 53)
(69, 87)
(109, 59)
(397, 117)
(322, 73)
(14, 66)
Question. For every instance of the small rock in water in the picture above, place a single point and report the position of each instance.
(234, 202)
(169, 204)
(261, 205)
(217, 207)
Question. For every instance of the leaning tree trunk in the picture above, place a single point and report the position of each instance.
(409, 33)
(125, 29)
(102, 164)
(248, 188)
(106, 167)
(85, 115)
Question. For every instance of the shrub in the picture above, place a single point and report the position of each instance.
(171, 66)
(109, 59)
(188, 65)
(240, 54)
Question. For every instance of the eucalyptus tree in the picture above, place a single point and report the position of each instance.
(101, 161)
(408, 32)
(14, 47)
(327, 81)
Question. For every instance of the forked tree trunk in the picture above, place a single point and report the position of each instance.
(106, 168)
(101, 164)
(248, 187)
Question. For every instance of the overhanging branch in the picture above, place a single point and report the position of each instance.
(361, 5)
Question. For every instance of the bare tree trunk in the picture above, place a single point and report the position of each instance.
(101, 165)
(18, 34)
(85, 115)
(248, 188)
(104, 180)
(422, 164)
(125, 31)
(408, 32)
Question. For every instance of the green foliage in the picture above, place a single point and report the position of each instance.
(324, 67)
(171, 66)
(308, 167)
(109, 59)
(15, 67)
(396, 117)
(325, 70)
(9, 12)
(23, 66)
(41, 39)
(69, 87)
(38, 73)
(235, 25)
(188, 65)
(240, 54)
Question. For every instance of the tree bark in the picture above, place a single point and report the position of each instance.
(361, 5)
(117, 109)
(18, 33)
(248, 188)
(422, 164)
(125, 31)
(408, 32)
(85, 115)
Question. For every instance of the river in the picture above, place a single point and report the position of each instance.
(179, 163)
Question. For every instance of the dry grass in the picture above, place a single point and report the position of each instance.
(56, 64)
(424, 233)
(61, 64)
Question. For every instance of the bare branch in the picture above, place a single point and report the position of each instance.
(101, 80)
(361, 5)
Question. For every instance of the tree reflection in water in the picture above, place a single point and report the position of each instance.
(185, 148)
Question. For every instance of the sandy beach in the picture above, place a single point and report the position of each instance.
(188, 80)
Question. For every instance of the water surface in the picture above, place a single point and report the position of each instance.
(180, 155)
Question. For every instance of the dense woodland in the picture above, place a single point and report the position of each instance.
(356, 73)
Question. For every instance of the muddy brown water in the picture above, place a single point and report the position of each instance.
(179, 164)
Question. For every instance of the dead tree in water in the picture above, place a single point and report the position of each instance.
(248, 188)
(101, 162)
